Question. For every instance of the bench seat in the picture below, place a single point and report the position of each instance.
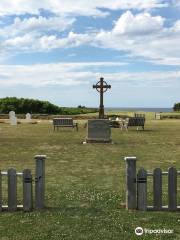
(136, 122)
(64, 122)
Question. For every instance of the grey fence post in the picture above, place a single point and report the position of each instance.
(157, 189)
(172, 189)
(12, 190)
(131, 197)
(40, 181)
(27, 190)
(0, 191)
(142, 190)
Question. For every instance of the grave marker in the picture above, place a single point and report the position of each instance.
(12, 118)
(101, 87)
(28, 117)
(98, 131)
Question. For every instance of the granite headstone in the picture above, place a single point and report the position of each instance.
(98, 131)
(12, 118)
(28, 117)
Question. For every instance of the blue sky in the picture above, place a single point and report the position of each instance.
(56, 50)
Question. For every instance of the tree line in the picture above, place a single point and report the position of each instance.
(176, 107)
(25, 105)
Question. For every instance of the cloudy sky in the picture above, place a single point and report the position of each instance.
(56, 50)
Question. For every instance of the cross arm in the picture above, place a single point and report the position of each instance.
(104, 86)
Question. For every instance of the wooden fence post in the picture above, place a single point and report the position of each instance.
(40, 181)
(0, 191)
(157, 189)
(142, 189)
(12, 190)
(27, 190)
(172, 189)
(131, 198)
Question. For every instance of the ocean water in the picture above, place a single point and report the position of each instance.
(129, 109)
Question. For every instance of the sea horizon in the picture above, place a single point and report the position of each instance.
(139, 109)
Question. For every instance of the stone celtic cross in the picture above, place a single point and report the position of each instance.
(101, 87)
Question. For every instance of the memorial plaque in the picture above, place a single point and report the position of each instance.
(98, 131)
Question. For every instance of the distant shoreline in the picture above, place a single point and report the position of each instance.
(133, 109)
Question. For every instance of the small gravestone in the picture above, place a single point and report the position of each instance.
(12, 114)
(12, 118)
(28, 117)
(98, 131)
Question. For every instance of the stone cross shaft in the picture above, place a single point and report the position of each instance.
(101, 87)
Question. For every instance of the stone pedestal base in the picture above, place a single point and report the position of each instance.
(98, 140)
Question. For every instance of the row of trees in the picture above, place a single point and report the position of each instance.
(24, 105)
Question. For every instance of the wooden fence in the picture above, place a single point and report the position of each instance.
(136, 187)
(27, 181)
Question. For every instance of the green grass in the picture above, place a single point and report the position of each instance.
(85, 184)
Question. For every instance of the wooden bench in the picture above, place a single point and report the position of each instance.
(136, 122)
(64, 122)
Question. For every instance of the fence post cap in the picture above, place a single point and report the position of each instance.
(130, 158)
(40, 157)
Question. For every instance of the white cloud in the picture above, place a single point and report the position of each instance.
(78, 7)
(20, 42)
(147, 79)
(145, 36)
(75, 74)
(34, 34)
(141, 35)
(142, 23)
(66, 74)
(38, 25)
(176, 27)
(46, 43)
(43, 43)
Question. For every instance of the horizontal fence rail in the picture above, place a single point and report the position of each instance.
(136, 187)
(27, 183)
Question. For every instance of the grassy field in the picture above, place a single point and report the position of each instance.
(149, 115)
(85, 184)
